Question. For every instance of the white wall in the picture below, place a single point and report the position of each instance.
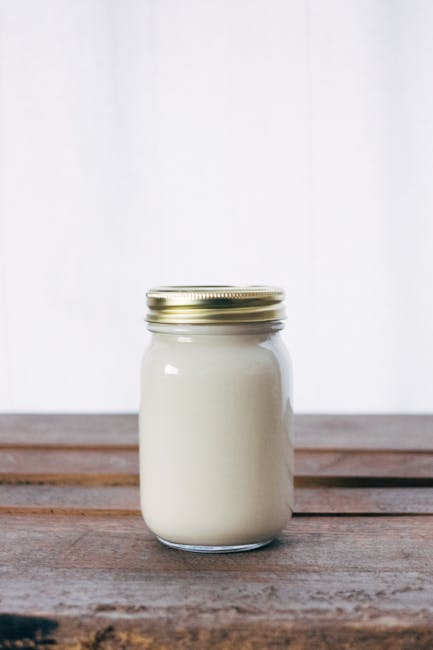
(264, 141)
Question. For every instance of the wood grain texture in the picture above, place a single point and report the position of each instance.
(363, 501)
(61, 499)
(326, 581)
(69, 466)
(386, 432)
(91, 466)
(69, 430)
(364, 463)
(80, 571)
(124, 500)
(407, 432)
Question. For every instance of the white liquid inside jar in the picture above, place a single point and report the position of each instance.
(216, 471)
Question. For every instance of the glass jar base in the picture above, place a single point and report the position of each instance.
(235, 548)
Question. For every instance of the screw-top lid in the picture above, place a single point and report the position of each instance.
(214, 304)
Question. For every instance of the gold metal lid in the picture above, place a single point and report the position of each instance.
(214, 304)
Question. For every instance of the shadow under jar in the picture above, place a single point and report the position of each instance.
(216, 470)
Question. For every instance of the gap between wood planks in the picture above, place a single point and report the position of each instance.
(122, 480)
(62, 446)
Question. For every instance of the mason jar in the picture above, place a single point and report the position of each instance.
(216, 471)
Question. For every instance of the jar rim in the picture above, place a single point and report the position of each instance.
(217, 304)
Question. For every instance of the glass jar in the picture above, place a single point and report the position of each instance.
(216, 471)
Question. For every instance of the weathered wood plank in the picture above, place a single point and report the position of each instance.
(328, 580)
(74, 499)
(69, 467)
(363, 501)
(124, 500)
(120, 467)
(408, 432)
(69, 430)
(99, 633)
(364, 463)
(104, 582)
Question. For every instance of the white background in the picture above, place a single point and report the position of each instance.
(196, 141)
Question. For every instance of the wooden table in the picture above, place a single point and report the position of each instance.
(79, 570)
